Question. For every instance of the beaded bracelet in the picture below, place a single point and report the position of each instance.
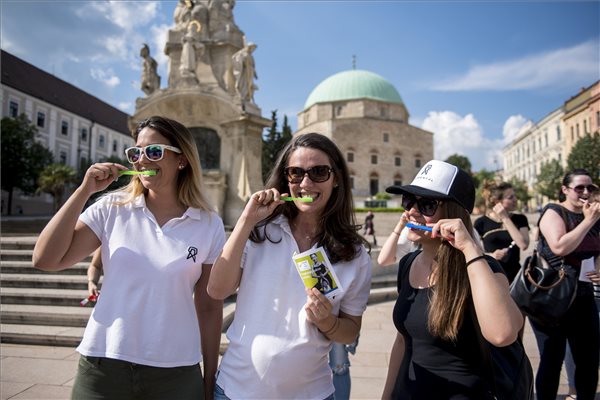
(474, 259)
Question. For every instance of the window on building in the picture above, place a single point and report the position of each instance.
(350, 156)
(585, 130)
(64, 128)
(114, 146)
(62, 157)
(373, 158)
(382, 111)
(84, 134)
(577, 129)
(558, 133)
(13, 109)
(397, 182)
(386, 137)
(546, 139)
(417, 163)
(101, 141)
(41, 119)
(598, 118)
(572, 133)
(397, 161)
(338, 110)
(373, 186)
(351, 181)
(559, 157)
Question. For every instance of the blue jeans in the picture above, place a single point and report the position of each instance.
(581, 329)
(340, 366)
(219, 394)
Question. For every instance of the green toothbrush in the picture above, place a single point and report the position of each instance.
(303, 199)
(132, 172)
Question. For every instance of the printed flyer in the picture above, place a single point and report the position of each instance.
(315, 270)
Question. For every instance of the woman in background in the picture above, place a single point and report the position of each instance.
(503, 232)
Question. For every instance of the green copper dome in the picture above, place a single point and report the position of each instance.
(353, 84)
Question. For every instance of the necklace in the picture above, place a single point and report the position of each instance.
(299, 234)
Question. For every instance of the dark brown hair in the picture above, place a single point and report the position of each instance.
(338, 230)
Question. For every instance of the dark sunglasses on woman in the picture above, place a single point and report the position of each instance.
(426, 207)
(579, 189)
(317, 174)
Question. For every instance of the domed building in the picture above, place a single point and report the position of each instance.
(365, 116)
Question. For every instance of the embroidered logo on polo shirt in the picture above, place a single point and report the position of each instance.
(192, 252)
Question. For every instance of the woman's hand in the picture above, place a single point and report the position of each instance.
(318, 307)
(100, 175)
(501, 254)
(500, 211)
(592, 211)
(455, 232)
(93, 288)
(261, 205)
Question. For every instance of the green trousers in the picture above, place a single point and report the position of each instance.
(105, 378)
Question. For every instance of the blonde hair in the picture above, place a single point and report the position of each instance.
(189, 179)
(493, 192)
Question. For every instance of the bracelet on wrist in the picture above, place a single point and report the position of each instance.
(397, 233)
(471, 261)
(333, 328)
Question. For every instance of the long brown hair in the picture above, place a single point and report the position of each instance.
(338, 229)
(451, 293)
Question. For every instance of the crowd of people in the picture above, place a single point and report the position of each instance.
(167, 266)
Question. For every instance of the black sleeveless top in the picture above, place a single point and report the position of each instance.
(434, 368)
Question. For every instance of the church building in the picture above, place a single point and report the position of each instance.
(365, 116)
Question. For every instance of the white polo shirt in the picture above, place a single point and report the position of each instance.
(145, 313)
(274, 352)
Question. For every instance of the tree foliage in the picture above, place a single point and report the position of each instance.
(55, 179)
(22, 158)
(586, 154)
(460, 161)
(272, 143)
(521, 190)
(549, 179)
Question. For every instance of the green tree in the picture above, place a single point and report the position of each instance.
(586, 154)
(549, 179)
(460, 161)
(478, 178)
(22, 158)
(521, 190)
(272, 143)
(55, 179)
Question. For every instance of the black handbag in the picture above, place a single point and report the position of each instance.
(544, 293)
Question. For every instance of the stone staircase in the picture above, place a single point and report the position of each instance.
(42, 308)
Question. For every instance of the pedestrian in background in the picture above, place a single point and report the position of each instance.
(503, 232)
(369, 226)
(570, 231)
(158, 236)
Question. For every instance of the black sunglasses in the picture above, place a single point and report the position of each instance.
(579, 189)
(317, 174)
(427, 207)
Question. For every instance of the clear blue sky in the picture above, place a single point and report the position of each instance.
(473, 72)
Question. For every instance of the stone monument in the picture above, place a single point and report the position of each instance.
(204, 95)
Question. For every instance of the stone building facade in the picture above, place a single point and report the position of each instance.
(77, 127)
(366, 117)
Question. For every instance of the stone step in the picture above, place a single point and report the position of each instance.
(49, 281)
(17, 242)
(42, 296)
(15, 255)
(22, 314)
(25, 267)
(41, 335)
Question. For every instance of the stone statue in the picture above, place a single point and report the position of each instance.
(244, 72)
(150, 78)
(222, 26)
